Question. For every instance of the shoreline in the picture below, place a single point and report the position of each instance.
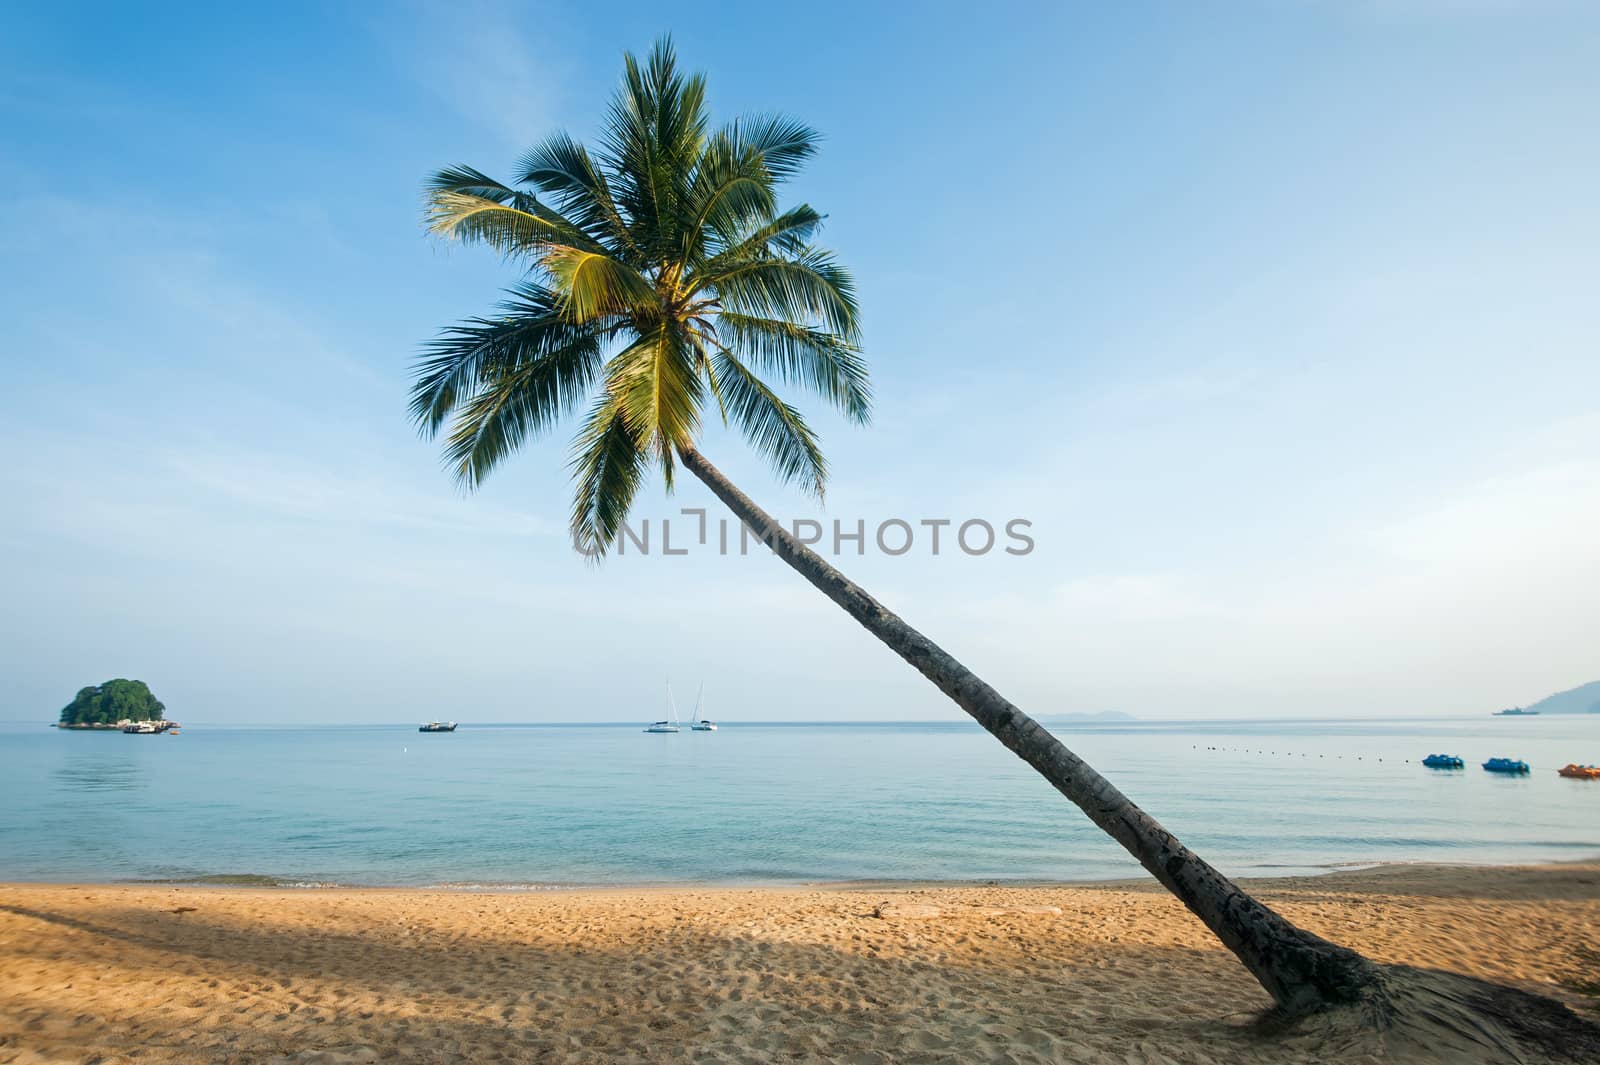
(1102, 973)
(263, 882)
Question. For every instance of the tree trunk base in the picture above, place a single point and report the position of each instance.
(1424, 1015)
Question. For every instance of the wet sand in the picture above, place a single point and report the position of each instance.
(1123, 974)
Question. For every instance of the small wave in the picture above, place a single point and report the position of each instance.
(235, 880)
(494, 886)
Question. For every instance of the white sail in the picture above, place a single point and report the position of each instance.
(697, 723)
(671, 722)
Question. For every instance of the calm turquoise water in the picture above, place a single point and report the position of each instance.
(552, 805)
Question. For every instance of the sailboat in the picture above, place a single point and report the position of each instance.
(696, 722)
(671, 723)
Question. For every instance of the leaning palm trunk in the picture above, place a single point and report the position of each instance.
(1301, 971)
(1427, 1015)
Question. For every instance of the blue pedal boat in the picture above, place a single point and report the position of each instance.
(1444, 761)
(1506, 765)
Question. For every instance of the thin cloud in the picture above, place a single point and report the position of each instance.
(479, 59)
(1395, 10)
(295, 492)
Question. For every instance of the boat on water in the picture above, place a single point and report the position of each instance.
(697, 723)
(1516, 711)
(147, 728)
(1444, 761)
(1513, 766)
(1580, 772)
(438, 726)
(670, 724)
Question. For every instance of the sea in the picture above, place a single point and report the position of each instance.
(549, 806)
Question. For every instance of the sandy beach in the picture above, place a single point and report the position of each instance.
(1122, 974)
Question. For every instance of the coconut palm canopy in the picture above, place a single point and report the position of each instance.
(662, 276)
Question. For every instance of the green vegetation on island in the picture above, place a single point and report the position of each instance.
(103, 705)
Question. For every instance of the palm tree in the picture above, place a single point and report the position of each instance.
(663, 279)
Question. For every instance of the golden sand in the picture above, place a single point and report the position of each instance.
(1122, 975)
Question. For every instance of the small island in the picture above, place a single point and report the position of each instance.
(125, 705)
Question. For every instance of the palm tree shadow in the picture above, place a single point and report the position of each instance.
(269, 990)
(251, 988)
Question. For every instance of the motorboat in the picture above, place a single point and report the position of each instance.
(147, 728)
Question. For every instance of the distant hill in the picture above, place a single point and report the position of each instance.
(1584, 699)
(115, 700)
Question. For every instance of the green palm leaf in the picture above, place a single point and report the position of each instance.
(593, 285)
(809, 286)
(658, 390)
(562, 168)
(787, 234)
(828, 364)
(654, 132)
(771, 426)
(608, 465)
(484, 351)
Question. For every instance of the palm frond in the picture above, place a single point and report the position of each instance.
(786, 234)
(781, 143)
(654, 130)
(658, 390)
(608, 465)
(519, 225)
(824, 362)
(731, 188)
(808, 286)
(563, 168)
(771, 426)
(472, 182)
(484, 352)
(594, 285)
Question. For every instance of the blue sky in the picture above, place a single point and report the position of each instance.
(1276, 319)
